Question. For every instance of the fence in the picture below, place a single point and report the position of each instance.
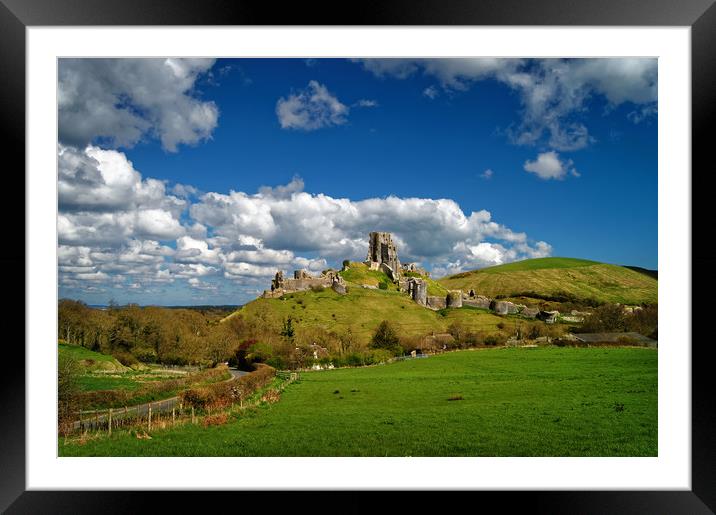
(173, 411)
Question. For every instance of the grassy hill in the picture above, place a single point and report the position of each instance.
(362, 309)
(498, 402)
(579, 278)
(89, 361)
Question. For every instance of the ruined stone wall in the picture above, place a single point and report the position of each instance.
(436, 302)
(381, 249)
(418, 290)
(454, 299)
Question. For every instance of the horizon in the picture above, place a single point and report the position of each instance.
(186, 182)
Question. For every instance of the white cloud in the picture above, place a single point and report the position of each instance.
(333, 229)
(367, 103)
(548, 165)
(121, 101)
(487, 174)
(310, 109)
(552, 92)
(103, 200)
(431, 92)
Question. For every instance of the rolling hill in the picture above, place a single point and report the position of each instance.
(364, 307)
(558, 276)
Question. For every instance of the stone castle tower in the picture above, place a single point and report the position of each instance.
(383, 252)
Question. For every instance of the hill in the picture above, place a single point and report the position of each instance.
(570, 278)
(364, 307)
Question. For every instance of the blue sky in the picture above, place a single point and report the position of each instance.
(469, 162)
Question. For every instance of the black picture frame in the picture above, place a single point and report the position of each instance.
(700, 15)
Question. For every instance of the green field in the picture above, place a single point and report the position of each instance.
(507, 402)
(554, 276)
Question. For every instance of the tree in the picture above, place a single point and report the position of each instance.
(385, 337)
(67, 389)
(288, 331)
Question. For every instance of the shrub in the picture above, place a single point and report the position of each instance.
(346, 263)
(383, 285)
(215, 420)
(495, 339)
(125, 358)
(385, 337)
(609, 317)
(317, 288)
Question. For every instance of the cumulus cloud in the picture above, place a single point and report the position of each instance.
(548, 165)
(311, 108)
(136, 235)
(280, 225)
(121, 101)
(552, 92)
(104, 200)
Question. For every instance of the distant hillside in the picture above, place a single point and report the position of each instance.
(578, 278)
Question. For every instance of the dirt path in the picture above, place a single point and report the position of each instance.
(161, 406)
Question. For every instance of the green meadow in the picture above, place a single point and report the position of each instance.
(545, 401)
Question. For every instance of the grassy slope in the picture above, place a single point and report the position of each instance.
(548, 276)
(90, 361)
(516, 402)
(363, 309)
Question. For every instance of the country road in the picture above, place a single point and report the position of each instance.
(141, 410)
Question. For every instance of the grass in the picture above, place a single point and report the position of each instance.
(90, 361)
(362, 310)
(498, 402)
(554, 276)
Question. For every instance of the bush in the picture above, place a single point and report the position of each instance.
(215, 420)
(385, 337)
(606, 318)
(495, 339)
(346, 263)
(383, 285)
(125, 358)
(317, 288)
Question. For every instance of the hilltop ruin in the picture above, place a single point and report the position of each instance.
(410, 279)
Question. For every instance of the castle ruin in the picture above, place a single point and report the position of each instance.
(383, 255)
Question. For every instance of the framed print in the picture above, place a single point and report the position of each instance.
(420, 252)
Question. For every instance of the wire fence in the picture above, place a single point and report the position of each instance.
(165, 413)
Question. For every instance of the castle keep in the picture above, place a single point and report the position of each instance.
(383, 255)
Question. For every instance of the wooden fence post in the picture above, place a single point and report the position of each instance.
(110, 421)
(149, 418)
(192, 415)
(173, 416)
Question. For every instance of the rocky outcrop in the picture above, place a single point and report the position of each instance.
(381, 249)
(454, 299)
